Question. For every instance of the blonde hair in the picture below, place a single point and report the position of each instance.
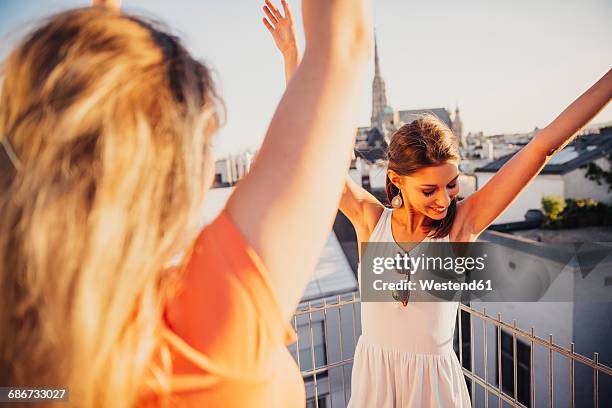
(111, 120)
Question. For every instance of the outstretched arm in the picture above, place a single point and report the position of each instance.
(355, 202)
(564, 128)
(286, 205)
(484, 206)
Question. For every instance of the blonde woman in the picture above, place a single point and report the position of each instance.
(405, 357)
(105, 128)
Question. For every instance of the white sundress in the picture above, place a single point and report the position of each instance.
(404, 356)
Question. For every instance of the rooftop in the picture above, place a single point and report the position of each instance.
(333, 274)
(580, 152)
(408, 116)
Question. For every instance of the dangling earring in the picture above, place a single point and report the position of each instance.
(397, 201)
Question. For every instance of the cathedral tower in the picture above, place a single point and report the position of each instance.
(379, 94)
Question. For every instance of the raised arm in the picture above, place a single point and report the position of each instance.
(484, 206)
(355, 202)
(285, 206)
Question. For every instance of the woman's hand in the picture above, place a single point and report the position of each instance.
(281, 28)
(283, 33)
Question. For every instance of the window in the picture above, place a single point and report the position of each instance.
(218, 179)
(567, 154)
(466, 351)
(310, 402)
(365, 181)
(523, 368)
(318, 336)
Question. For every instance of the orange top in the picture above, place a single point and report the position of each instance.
(226, 333)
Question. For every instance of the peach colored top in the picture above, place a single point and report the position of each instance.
(226, 333)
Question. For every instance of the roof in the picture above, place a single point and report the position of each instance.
(371, 155)
(332, 275)
(580, 152)
(375, 137)
(377, 146)
(408, 116)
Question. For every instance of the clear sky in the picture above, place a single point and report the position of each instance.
(510, 65)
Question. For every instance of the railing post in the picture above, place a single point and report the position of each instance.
(514, 362)
(312, 356)
(486, 360)
(572, 348)
(596, 380)
(341, 349)
(460, 337)
(329, 376)
(297, 341)
(354, 322)
(532, 368)
(499, 361)
(550, 371)
(472, 368)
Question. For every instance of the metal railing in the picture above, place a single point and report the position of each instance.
(533, 340)
(326, 367)
(334, 314)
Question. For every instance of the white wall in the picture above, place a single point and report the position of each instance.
(355, 175)
(531, 197)
(467, 185)
(222, 166)
(378, 176)
(578, 186)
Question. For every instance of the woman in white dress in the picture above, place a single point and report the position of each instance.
(405, 357)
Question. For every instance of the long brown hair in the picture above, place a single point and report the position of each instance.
(111, 120)
(426, 141)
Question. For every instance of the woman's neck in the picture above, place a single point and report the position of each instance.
(409, 221)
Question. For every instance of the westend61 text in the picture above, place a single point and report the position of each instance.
(431, 284)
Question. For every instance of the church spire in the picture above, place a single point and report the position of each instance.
(376, 62)
(379, 94)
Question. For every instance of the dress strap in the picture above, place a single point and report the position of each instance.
(380, 233)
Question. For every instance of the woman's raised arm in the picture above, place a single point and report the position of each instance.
(286, 205)
(485, 205)
(355, 201)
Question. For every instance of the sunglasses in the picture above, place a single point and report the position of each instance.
(402, 295)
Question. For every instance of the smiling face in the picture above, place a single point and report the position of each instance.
(423, 159)
(429, 190)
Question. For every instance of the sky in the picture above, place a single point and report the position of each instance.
(509, 65)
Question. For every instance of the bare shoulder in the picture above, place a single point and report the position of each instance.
(371, 214)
